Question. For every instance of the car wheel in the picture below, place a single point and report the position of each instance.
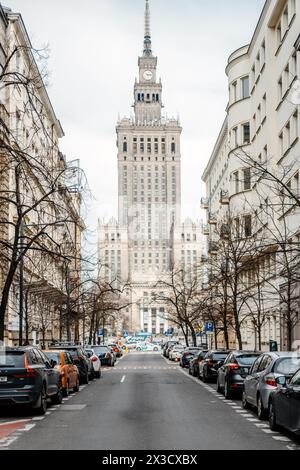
(205, 378)
(245, 403)
(219, 389)
(155, 349)
(261, 412)
(194, 373)
(190, 372)
(40, 407)
(58, 397)
(227, 392)
(92, 374)
(66, 391)
(76, 388)
(98, 374)
(272, 418)
(112, 363)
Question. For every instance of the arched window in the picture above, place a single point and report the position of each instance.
(173, 147)
(125, 147)
(157, 98)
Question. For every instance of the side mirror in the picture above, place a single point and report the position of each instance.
(281, 381)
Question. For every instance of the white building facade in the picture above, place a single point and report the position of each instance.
(261, 128)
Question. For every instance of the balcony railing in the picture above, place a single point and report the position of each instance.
(205, 203)
(224, 197)
(212, 219)
(205, 229)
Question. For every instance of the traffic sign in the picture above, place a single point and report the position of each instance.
(209, 327)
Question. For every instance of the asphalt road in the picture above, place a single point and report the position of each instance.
(147, 403)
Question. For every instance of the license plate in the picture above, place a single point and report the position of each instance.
(3, 379)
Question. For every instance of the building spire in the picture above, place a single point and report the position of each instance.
(147, 37)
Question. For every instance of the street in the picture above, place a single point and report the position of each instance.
(143, 403)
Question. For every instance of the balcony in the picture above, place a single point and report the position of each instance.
(212, 219)
(224, 197)
(213, 248)
(205, 203)
(205, 229)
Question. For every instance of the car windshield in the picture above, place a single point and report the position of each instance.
(54, 356)
(219, 356)
(12, 359)
(246, 360)
(287, 365)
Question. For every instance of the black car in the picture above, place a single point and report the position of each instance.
(105, 354)
(27, 378)
(188, 354)
(208, 368)
(285, 405)
(232, 374)
(83, 363)
(194, 363)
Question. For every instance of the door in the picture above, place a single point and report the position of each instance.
(51, 374)
(223, 368)
(294, 403)
(251, 381)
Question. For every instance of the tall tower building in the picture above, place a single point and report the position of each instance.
(149, 186)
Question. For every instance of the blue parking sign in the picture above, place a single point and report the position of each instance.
(209, 327)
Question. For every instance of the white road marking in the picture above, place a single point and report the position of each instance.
(281, 438)
(14, 422)
(123, 379)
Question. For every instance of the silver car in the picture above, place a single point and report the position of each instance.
(261, 381)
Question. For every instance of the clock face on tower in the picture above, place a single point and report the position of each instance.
(147, 75)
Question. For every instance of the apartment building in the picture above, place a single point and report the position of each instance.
(29, 134)
(254, 166)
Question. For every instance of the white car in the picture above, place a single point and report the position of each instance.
(95, 361)
(176, 352)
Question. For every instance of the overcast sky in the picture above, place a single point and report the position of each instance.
(94, 47)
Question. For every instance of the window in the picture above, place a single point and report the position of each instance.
(245, 87)
(247, 179)
(235, 137)
(173, 147)
(248, 225)
(236, 181)
(234, 92)
(125, 147)
(246, 133)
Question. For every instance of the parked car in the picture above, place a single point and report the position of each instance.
(116, 349)
(147, 347)
(284, 407)
(176, 352)
(208, 368)
(83, 363)
(63, 362)
(187, 355)
(27, 378)
(261, 382)
(167, 345)
(232, 373)
(107, 358)
(195, 361)
(95, 360)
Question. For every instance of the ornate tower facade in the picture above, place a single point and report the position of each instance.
(149, 187)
